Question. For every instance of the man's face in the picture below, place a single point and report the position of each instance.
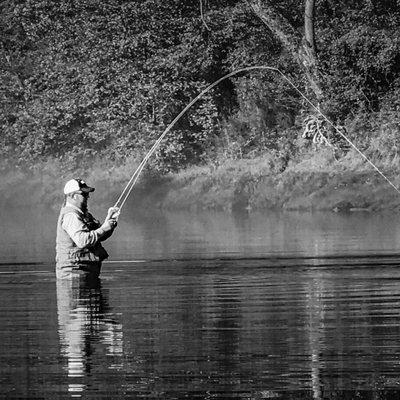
(80, 200)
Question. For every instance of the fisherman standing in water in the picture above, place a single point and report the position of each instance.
(79, 234)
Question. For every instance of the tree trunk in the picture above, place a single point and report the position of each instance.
(308, 52)
(309, 26)
(301, 47)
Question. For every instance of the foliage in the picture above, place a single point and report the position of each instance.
(385, 145)
(360, 50)
(83, 80)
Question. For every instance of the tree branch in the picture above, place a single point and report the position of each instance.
(202, 15)
(301, 48)
(278, 25)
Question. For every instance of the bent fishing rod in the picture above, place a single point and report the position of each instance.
(135, 176)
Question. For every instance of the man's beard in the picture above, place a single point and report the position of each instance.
(84, 208)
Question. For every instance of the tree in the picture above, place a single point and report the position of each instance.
(82, 79)
(300, 45)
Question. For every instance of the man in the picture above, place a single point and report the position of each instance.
(79, 234)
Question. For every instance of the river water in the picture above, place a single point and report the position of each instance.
(206, 306)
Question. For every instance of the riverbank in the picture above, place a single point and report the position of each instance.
(316, 181)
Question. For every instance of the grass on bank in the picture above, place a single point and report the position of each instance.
(317, 181)
(314, 180)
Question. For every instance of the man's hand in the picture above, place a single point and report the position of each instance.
(113, 222)
(113, 213)
(109, 224)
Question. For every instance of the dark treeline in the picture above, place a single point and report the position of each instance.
(88, 79)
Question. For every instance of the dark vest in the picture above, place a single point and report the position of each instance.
(67, 252)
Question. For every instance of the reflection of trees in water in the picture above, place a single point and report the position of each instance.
(315, 307)
(349, 339)
(227, 324)
(87, 331)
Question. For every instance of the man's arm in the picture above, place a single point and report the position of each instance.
(80, 233)
(107, 234)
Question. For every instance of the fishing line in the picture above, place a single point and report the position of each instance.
(132, 181)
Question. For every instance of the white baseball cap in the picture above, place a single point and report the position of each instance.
(77, 185)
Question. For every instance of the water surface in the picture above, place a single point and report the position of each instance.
(210, 305)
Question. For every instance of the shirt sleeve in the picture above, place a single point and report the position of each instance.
(79, 232)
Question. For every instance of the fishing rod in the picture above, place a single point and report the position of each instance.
(135, 176)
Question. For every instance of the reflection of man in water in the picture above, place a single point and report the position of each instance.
(79, 234)
(90, 339)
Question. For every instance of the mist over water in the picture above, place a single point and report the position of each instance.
(206, 305)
